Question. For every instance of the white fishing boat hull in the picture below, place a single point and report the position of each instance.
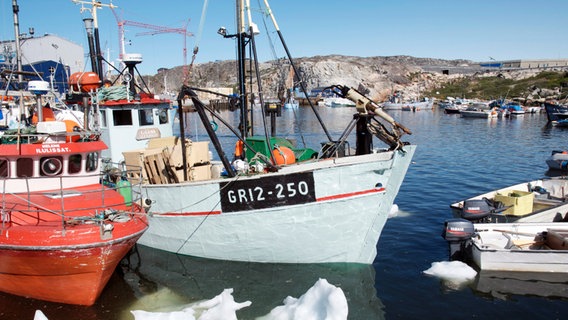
(412, 105)
(326, 211)
(509, 247)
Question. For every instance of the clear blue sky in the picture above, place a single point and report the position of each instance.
(457, 29)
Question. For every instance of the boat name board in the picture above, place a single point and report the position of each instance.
(267, 192)
(52, 148)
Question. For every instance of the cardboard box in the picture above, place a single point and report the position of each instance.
(196, 173)
(196, 152)
(521, 202)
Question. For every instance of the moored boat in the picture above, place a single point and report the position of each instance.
(475, 112)
(276, 202)
(62, 232)
(517, 247)
(555, 112)
(558, 160)
(542, 200)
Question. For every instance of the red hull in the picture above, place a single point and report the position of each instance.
(74, 273)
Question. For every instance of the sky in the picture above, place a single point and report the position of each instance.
(480, 30)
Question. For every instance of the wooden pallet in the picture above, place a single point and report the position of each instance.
(158, 168)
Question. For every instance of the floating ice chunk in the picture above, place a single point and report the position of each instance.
(39, 315)
(322, 301)
(454, 273)
(222, 306)
(393, 211)
(185, 314)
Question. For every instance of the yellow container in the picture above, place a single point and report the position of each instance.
(521, 202)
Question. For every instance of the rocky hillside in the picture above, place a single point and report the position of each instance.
(376, 76)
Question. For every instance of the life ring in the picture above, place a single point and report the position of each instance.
(51, 166)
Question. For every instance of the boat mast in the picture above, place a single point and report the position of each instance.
(15, 10)
(241, 55)
(94, 42)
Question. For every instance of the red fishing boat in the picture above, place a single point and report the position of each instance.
(62, 231)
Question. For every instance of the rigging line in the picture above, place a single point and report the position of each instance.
(198, 37)
(302, 85)
(265, 14)
(258, 81)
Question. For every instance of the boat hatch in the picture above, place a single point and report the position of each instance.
(62, 194)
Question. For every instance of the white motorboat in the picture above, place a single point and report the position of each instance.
(543, 200)
(519, 247)
(475, 112)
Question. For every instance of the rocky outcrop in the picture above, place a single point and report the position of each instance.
(378, 77)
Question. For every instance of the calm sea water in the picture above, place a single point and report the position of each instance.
(456, 158)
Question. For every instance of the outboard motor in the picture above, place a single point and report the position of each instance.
(458, 233)
(478, 210)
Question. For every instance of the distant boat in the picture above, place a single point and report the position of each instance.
(556, 112)
(512, 109)
(474, 112)
(336, 102)
(397, 102)
(415, 105)
(558, 160)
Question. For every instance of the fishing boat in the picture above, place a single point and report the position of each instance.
(517, 247)
(542, 200)
(558, 160)
(556, 113)
(276, 202)
(408, 106)
(63, 232)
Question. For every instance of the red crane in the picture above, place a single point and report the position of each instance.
(155, 30)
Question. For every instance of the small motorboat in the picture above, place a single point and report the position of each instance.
(542, 200)
(519, 247)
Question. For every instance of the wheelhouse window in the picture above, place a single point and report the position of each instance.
(103, 117)
(122, 117)
(25, 167)
(4, 168)
(50, 166)
(92, 161)
(74, 165)
(145, 117)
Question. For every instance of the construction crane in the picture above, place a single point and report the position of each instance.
(155, 30)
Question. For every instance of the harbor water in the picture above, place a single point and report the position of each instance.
(456, 158)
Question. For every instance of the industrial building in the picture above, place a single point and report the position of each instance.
(43, 56)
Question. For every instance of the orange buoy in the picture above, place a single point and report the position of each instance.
(70, 128)
(283, 155)
(84, 81)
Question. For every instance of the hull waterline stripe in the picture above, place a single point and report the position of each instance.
(322, 199)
